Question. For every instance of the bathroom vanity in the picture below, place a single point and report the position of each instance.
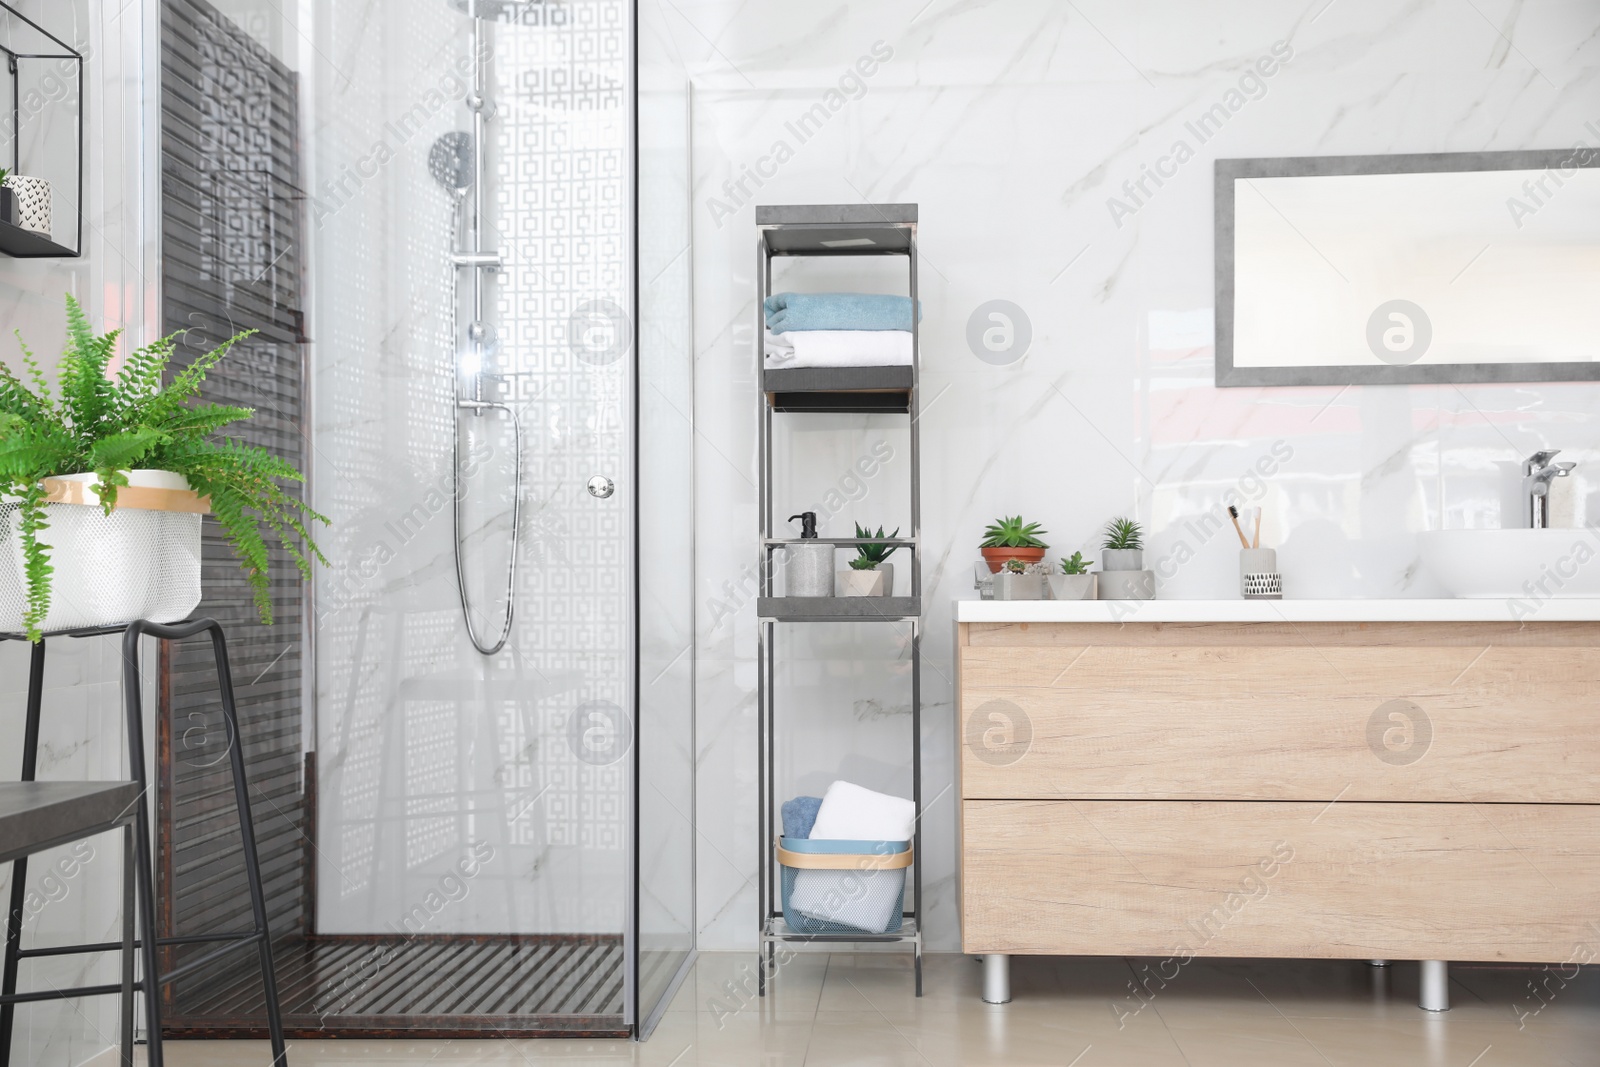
(1176, 779)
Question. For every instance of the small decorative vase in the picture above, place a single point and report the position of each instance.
(1009, 586)
(1122, 559)
(1258, 574)
(1072, 586)
(860, 583)
(30, 203)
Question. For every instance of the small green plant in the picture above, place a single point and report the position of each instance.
(1076, 565)
(1015, 566)
(872, 553)
(1012, 533)
(1123, 533)
(109, 425)
(4, 174)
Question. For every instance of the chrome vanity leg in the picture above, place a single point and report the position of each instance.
(996, 978)
(1377, 963)
(1435, 986)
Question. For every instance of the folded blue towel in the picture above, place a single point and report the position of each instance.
(799, 815)
(838, 311)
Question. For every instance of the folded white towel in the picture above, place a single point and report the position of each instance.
(839, 348)
(851, 813)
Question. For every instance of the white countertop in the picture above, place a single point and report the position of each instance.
(1398, 610)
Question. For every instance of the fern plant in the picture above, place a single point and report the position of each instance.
(95, 423)
(872, 553)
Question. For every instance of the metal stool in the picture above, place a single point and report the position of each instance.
(148, 944)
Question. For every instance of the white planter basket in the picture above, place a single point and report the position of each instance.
(140, 562)
(31, 197)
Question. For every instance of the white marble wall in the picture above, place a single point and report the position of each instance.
(1012, 124)
(74, 893)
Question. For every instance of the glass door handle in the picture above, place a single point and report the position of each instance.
(601, 487)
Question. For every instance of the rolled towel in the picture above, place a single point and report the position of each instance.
(798, 815)
(851, 813)
(838, 348)
(837, 311)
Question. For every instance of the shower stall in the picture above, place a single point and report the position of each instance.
(488, 827)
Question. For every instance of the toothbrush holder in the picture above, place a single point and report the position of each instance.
(1258, 574)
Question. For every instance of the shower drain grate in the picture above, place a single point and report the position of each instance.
(439, 986)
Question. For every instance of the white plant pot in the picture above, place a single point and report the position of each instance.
(1121, 559)
(1072, 586)
(30, 200)
(859, 583)
(1008, 586)
(140, 562)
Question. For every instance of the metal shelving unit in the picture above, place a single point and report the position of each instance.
(833, 230)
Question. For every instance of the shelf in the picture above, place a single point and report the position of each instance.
(778, 930)
(896, 542)
(841, 389)
(25, 244)
(839, 608)
(838, 229)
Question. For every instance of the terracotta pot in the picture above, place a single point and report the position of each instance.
(997, 557)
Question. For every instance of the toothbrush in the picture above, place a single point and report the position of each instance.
(1257, 542)
(1233, 513)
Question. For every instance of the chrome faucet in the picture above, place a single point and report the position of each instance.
(1537, 473)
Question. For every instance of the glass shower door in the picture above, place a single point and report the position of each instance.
(474, 811)
(665, 910)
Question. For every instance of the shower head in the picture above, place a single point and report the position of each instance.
(450, 161)
(499, 10)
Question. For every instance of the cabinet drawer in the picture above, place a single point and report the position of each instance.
(1305, 719)
(1346, 880)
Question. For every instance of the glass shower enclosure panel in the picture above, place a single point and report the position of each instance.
(472, 280)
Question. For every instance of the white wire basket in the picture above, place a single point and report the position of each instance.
(140, 562)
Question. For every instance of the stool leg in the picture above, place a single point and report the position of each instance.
(19, 870)
(150, 983)
(252, 865)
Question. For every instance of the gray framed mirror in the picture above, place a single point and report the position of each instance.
(1387, 270)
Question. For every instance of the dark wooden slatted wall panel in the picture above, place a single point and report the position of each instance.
(232, 261)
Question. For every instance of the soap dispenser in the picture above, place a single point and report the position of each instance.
(810, 568)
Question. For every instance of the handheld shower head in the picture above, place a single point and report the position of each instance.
(450, 161)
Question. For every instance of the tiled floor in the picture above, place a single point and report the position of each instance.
(850, 1009)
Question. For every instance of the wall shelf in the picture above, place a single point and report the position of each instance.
(833, 230)
(45, 79)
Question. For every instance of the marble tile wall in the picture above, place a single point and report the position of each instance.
(1015, 126)
(74, 893)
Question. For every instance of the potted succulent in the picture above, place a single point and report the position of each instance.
(25, 202)
(869, 573)
(103, 482)
(1018, 580)
(1074, 582)
(1123, 547)
(1011, 538)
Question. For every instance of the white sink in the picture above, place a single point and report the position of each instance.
(1537, 564)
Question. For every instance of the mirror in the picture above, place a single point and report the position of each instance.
(1374, 270)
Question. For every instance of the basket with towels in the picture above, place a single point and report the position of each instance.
(844, 858)
(837, 330)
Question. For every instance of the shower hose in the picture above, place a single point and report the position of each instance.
(458, 490)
